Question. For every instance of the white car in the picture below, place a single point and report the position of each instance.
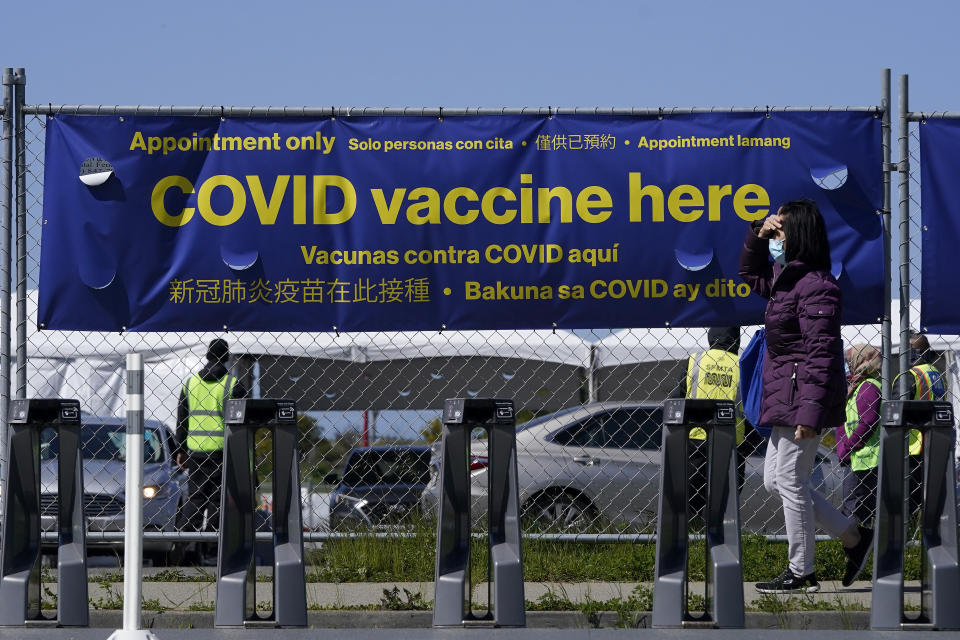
(597, 468)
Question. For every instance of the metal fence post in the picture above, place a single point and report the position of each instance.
(724, 573)
(886, 328)
(940, 568)
(20, 77)
(6, 216)
(452, 600)
(904, 168)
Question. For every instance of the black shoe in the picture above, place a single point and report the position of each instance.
(786, 582)
(857, 556)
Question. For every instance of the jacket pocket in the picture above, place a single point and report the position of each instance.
(821, 310)
(792, 391)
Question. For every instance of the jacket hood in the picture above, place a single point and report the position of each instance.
(212, 371)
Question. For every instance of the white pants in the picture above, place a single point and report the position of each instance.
(786, 473)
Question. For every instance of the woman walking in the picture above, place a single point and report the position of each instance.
(804, 388)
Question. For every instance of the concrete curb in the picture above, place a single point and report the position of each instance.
(184, 596)
(812, 620)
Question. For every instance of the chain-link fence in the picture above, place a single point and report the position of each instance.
(921, 352)
(589, 403)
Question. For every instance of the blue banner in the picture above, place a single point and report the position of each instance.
(940, 220)
(467, 222)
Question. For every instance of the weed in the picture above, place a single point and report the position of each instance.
(778, 606)
(592, 609)
(49, 598)
(696, 602)
(552, 601)
(203, 575)
(409, 601)
(153, 604)
(168, 575)
(113, 599)
(107, 578)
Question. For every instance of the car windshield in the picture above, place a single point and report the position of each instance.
(387, 466)
(103, 442)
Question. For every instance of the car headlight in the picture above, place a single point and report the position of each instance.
(150, 491)
(354, 503)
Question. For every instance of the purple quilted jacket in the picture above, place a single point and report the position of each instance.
(803, 378)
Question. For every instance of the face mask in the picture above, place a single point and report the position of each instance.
(776, 250)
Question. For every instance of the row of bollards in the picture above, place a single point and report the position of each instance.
(20, 585)
(940, 570)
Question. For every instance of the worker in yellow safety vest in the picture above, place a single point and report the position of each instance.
(713, 374)
(858, 439)
(925, 383)
(199, 438)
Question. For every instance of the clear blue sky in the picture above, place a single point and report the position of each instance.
(492, 53)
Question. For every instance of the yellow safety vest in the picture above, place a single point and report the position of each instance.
(205, 401)
(867, 456)
(928, 384)
(715, 374)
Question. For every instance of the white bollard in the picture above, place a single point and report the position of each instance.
(133, 523)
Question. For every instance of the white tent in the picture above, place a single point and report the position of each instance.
(90, 365)
(632, 346)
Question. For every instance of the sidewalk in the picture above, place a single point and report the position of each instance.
(200, 594)
(366, 607)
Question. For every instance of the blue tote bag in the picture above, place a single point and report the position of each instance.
(751, 380)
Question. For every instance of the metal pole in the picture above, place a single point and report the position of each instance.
(904, 169)
(432, 112)
(20, 98)
(6, 217)
(133, 524)
(133, 540)
(886, 329)
(133, 521)
(325, 536)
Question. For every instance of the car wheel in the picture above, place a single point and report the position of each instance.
(558, 512)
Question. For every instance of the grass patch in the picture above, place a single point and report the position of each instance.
(367, 559)
(777, 604)
(628, 609)
(170, 575)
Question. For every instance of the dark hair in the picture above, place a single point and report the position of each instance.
(919, 341)
(724, 338)
(920, 349)
(806, 234)
(218, 351)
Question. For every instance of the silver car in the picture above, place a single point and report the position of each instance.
(588, 467)
(103, 449)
